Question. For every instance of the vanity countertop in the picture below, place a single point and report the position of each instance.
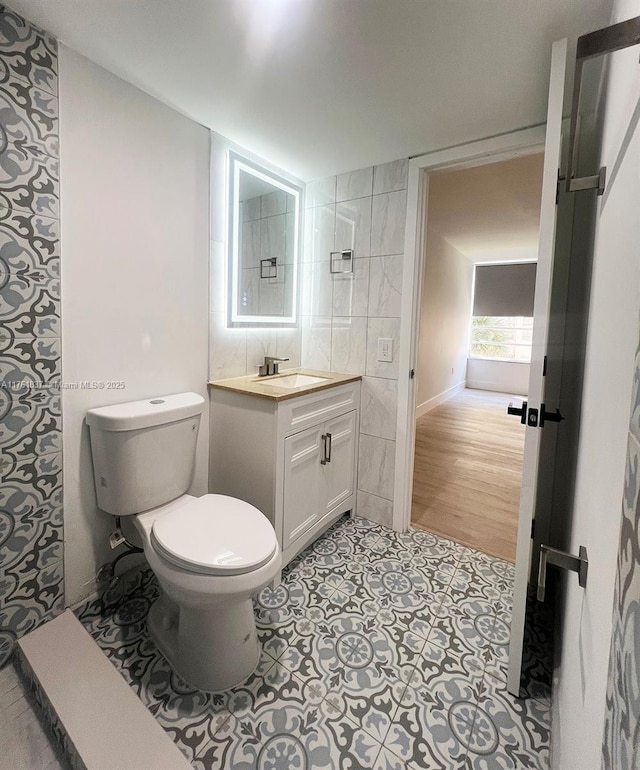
(267, 387)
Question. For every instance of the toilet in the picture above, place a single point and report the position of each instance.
(210, 554)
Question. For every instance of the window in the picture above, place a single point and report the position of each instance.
(502, 322)
(506, 338)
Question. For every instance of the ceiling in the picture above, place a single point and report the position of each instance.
(489, 213)
(319, 87)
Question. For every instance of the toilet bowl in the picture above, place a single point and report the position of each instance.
(210, 554)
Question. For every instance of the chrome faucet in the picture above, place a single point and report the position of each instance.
(270, 366)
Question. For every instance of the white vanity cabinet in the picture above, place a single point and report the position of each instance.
(292, 457)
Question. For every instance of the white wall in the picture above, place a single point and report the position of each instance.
(134, 232)
(579, 689)
(445, 314)
(501, 376)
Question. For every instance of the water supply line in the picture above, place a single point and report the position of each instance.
(106, 574)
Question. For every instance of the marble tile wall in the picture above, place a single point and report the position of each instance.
(31, 538)
(344, 315)
(621, 746)
(236, 352)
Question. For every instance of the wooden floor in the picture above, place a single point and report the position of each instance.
(468, 468)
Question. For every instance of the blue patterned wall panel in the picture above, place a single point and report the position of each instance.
(621, 749)
(28, 54)
(28, 181)
(31, 525)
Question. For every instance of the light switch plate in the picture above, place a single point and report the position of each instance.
(385, 349)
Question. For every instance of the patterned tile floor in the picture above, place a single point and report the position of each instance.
(381, 651)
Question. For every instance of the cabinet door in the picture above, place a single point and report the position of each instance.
(303, 483)
(339, 471)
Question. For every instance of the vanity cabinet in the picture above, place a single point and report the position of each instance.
(293, 458)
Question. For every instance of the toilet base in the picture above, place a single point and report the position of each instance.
(213, 649)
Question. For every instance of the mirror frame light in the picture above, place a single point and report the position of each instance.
(236, 164)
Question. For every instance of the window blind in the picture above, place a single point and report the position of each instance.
(504, 290)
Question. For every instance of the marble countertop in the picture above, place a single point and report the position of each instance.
(267, 387)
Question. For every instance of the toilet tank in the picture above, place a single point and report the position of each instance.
(144, 451)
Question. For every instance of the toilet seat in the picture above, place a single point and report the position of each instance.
(215, 535)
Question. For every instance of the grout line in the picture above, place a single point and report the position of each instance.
(379, 535)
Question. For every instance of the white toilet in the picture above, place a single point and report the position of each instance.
(209, 554)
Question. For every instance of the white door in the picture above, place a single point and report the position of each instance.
(536, 394)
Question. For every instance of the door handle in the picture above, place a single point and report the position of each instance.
(521, 412)
(579, 564)
(549, 416)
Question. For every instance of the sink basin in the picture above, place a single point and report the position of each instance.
(290, 381)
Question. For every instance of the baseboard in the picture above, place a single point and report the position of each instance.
(427, 406)
(495, 386)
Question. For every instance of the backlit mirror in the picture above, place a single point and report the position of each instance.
(264, 246)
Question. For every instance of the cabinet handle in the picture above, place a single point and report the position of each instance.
(323, 459)
(326, 449)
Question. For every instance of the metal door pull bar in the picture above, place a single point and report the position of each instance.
(579, 564)
(602, 41)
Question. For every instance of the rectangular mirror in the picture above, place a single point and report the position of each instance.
(264, 246)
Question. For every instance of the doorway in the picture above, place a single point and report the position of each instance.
(475, 327)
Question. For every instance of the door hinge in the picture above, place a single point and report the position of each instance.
(412, 373)
(533, 528)
(544, 366)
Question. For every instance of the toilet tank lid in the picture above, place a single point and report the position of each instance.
(146, 413)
